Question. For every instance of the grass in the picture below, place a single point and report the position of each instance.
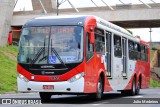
(8, 73)
(154, 83)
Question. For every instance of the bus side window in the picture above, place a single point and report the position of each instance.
(139, 52)
(89, 48)
(131, 50)
(136, 51)
(137, 48)
(117, 46)
(100, 44)
(143, 53)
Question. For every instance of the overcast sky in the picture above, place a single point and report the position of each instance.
(143, 33)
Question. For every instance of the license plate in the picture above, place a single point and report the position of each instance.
(48, 87)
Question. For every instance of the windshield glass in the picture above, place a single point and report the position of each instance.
(67, 41)
(36, 45)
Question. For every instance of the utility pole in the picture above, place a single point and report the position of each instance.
(57, 6)
(150, 37)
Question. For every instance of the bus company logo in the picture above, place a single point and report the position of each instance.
(43, 72)
(47, 73)
(47, 66)
(54, 78)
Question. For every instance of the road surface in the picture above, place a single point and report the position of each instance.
(109, 99)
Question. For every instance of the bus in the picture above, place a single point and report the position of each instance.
(80, 55)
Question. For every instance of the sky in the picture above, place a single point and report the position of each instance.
(26, 5)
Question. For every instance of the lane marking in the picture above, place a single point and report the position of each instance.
(95, 104)
(139, 96)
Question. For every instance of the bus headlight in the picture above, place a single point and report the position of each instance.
(76, 77)
(23, 78)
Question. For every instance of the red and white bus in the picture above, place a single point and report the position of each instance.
(80, 55)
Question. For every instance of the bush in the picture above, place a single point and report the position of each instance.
(154, 48)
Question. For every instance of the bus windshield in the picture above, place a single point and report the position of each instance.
(36, 45)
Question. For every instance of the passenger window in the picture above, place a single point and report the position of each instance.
(137, 48)
(100, 44)
(131, 50)
(143, 53)
(117, 46)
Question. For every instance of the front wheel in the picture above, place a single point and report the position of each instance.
(99, 93)
(45, 96)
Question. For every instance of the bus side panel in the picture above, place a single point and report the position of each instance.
(90, 83)
(142, 68)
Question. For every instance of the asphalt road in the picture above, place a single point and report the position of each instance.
(115, 99)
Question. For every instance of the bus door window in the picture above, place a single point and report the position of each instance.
(89, 48)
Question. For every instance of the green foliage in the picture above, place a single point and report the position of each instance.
(8, 73)
(154, 83)
(154, 48)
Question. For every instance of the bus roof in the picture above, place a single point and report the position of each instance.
(74, 20)
(71, 20)
(55, 20)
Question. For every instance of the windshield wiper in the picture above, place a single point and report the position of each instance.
(57, 55)
(38, 54)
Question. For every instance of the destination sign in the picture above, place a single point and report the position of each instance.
(62, 30)
(46, 30)
(40, 30)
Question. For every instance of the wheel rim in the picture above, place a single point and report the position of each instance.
(134, 86)
(138, 88)
(99, 89)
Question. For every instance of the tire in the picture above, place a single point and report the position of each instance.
(138, 87)
(45, 96)
(99, 93)
(132, 92)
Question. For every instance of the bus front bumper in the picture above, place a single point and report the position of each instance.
(64, 86)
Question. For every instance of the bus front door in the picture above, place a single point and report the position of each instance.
(124, 46)
(108, 53)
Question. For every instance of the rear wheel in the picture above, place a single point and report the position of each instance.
(131, 92)
(45, 96)
(133, 89)
(138, 87)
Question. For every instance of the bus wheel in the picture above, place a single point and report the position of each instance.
(138, 87)
(133, 89)
(45, 96)
(99, 93)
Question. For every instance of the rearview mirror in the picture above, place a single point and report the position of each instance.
(91, 37)
(10, 38)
